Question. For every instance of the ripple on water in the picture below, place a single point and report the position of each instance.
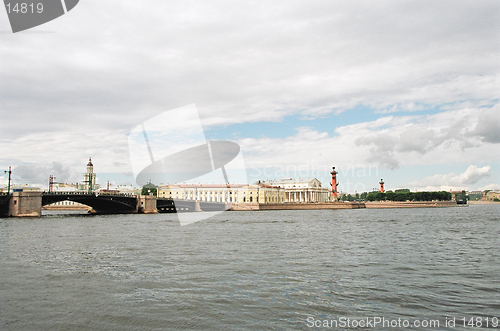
(248, 270)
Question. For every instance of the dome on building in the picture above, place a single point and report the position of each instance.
(90, 163)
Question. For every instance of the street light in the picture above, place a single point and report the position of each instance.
(10, 173)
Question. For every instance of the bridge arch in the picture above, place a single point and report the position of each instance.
(100, 203)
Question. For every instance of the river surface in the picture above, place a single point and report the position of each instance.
(266, 270)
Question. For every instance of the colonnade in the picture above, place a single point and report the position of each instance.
(212, 195)
(306, 196)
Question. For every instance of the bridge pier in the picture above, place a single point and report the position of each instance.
(146, 204)
(25, 204)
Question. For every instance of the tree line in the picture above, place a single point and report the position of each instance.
(399, 195)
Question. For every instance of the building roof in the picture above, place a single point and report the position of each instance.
(203, 186)
(289, 180)
(285, 181)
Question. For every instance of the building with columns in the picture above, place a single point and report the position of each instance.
(202, 192)
(271, 191)
(300, 190)
(233, 193)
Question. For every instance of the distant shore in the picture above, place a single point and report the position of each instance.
(295, 206)
(483, 202)
(66, 208)
(410, 204)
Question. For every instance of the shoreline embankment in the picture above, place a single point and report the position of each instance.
(343, 205)
(296, 206)
(483, 203)
(325, 205)
(410, 204)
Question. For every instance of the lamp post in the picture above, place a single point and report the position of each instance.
(10, 173)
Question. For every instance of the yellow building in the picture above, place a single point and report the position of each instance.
(491, 195)
(261, 193)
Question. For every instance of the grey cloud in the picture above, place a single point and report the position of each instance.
(413, 137)
(257, 58)
(488, 126)
(39, 175)
(383, 152)
(119, 164)
(240, 62)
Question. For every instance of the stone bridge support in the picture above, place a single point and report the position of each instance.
(25, 204)
(146, 204)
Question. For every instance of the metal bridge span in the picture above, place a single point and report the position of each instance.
(31, 203)
(123, 203)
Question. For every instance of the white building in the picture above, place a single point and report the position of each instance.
(203, 192)
(301, 190)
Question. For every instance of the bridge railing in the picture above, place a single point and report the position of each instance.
(121, 194)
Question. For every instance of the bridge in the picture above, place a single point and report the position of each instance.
(100, 203)
(31, 203)
(4, 203)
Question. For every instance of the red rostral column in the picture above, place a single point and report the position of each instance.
(382, 186)
(334, 184)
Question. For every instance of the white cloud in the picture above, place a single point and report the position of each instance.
(389, 142)
(439, 138)
(471, 176)
(110, 65)
(490, 187)
(245, 61)
(65, 155)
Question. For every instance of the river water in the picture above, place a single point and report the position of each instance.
(266, 270)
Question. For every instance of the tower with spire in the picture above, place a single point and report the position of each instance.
(334, 184)
(382, 186)
(89, 178)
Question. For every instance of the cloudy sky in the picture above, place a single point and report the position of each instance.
(407, 91)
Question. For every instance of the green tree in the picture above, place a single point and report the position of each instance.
(149, 189)
(402, 190)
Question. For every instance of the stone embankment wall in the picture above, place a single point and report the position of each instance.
(296, 206)
(410, 204)
(483, 203)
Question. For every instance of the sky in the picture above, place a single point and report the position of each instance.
(407, 91)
